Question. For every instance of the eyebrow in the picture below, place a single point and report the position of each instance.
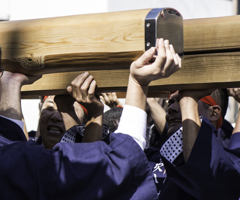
(50, 101)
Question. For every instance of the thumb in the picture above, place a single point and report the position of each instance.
(69, 89)
(145, 57)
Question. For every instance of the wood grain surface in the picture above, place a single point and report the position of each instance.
(211, 34)
(68, 43)
(217, 70)
(105, 44)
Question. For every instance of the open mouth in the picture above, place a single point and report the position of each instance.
(54, 130)
(175, 121)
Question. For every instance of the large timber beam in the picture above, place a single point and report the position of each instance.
(219, 34)
(211, 48)
(86, 42)
(215, 70)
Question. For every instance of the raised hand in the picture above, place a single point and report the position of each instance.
(166, 63)
(110, 99)
(83, 90)
(18, 79)
(235, 93)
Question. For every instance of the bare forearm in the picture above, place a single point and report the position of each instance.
(237, 126)
(10, 105)
(191, 124)
(158, 114)
(136, 94)
(93, 130)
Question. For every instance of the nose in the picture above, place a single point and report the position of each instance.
(174, 108)
(56, 116)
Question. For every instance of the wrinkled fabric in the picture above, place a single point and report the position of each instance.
(224, 133)
(11, 130)
(100, 170)
(212, 171)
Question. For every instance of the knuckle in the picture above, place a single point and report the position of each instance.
(157, 71)
(163, 57)
(170, 58)
(83, 88)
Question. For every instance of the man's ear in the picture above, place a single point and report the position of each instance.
(216, 113)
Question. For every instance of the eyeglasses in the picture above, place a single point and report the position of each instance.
(1, 71)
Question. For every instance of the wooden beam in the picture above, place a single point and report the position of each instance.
(85, 42)
(63, 43)
(201, 71)
(211, 34)
(211, 47)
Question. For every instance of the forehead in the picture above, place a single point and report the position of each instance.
(174, 96)
(49, 100)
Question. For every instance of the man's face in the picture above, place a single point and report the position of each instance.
(173, 116)
(51, 123)
(57, 115)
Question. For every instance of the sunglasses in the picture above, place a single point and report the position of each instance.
(1, 71)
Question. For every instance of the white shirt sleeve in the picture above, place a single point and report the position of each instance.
(133, 122)
(18, 122)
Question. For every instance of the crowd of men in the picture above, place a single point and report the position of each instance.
(137, 151)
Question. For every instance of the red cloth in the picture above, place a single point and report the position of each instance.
(210, 101)
(85, 110)
(44, 98)
(119, 106)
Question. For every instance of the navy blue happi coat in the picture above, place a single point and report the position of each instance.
(211, 171)
(88, 171)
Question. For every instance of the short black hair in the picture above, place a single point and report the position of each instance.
(221, 98)
(111, 118)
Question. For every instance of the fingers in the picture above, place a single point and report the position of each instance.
(147, 56)
(69, 89)
(161, 58)
(110, 99)
(85, 85)
(171, 63)
(92, 88)
(169, 55)
(235, 93)
(175, 56)
(114, 97)
(82, 87)
(104, 98)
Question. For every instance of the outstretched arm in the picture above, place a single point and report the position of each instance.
(235, 93)
(142, 72)
(11, 84)
(190, 117)
(83, 90)
(157, 113)
(10, 105)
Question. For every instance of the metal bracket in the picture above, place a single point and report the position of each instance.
(166, 23)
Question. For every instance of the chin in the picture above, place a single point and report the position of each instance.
(173, 128)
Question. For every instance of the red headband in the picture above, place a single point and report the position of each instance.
(44, 98)
(85, 110)
(210, 101)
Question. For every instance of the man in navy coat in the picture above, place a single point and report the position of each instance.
(117, 169)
